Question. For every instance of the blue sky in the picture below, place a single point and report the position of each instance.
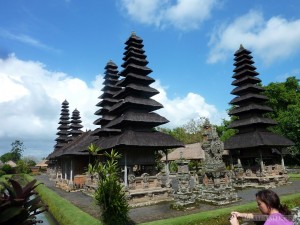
(56, 50)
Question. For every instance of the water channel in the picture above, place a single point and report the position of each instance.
(47, 218)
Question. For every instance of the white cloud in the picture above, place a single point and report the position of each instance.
(30, 102)
(182, 14)
(26, 40)
(272, 39)
(179, 111)
(31, 97)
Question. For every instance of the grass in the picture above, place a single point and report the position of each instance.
(220, 216)
(63, 211)
(294, 176)
(3, 178)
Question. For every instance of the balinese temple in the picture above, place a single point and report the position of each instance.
(138, 140)
(254, 147)
(107, 101)
(64, 126)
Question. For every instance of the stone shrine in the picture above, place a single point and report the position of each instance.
(217, 185)
(183, 195)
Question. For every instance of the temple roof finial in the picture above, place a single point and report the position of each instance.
(133, 33)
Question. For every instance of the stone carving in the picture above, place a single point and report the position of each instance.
(183, 195)
(131, 181)
(217, 181)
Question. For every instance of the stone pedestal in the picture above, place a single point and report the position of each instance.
(184, 195)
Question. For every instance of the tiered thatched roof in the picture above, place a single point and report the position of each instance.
(108, 100)
(79, 146)
(127, 120)
(64, 127)
(134, 110)
(250, 108)
(75, 125)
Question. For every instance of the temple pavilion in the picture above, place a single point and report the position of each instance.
(134, 115)
(254, 147)
(126, 120)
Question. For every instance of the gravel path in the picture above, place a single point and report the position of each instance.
(160, 211)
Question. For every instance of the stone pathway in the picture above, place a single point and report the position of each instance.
(160, 211)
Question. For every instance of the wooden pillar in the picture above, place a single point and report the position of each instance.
(125, 170)
(71, 175)
(65, 170)
(261, 162)
(239, 161)
(167, 170)
(282, 163)
(71, 172)
(231, 162)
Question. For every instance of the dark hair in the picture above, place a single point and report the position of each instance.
(271, 199)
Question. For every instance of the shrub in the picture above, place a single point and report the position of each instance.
(2, 173)
(22, 167)
(8, 169)
(110, 195)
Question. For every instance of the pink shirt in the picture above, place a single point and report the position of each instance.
(278, 219)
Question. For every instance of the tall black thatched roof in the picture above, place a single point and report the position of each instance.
(142, 140)
(249, 108)
(64, 126)
(78, 146)
(75, 125)
(107, 100)
(134, 109)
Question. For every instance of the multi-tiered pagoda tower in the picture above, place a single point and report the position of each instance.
(75, 125)
(134, 113)
(253, 144)
(107, 100)
(64, 127)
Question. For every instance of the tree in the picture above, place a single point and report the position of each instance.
(29, 160)
(17, 150)
(6, 157)
(22, 167)
(284, 99)
(188, 133)
(223, 131)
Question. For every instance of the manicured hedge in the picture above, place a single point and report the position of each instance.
(63, 211)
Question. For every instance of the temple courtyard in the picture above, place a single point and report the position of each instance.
(160, 211)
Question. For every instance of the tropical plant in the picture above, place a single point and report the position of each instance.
(18, 205)
(110, 195)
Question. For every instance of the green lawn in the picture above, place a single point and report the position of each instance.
(63, 210)
(294, 176)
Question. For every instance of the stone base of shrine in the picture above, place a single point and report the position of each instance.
(261, 182)
(150, 196)
(222, 196)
